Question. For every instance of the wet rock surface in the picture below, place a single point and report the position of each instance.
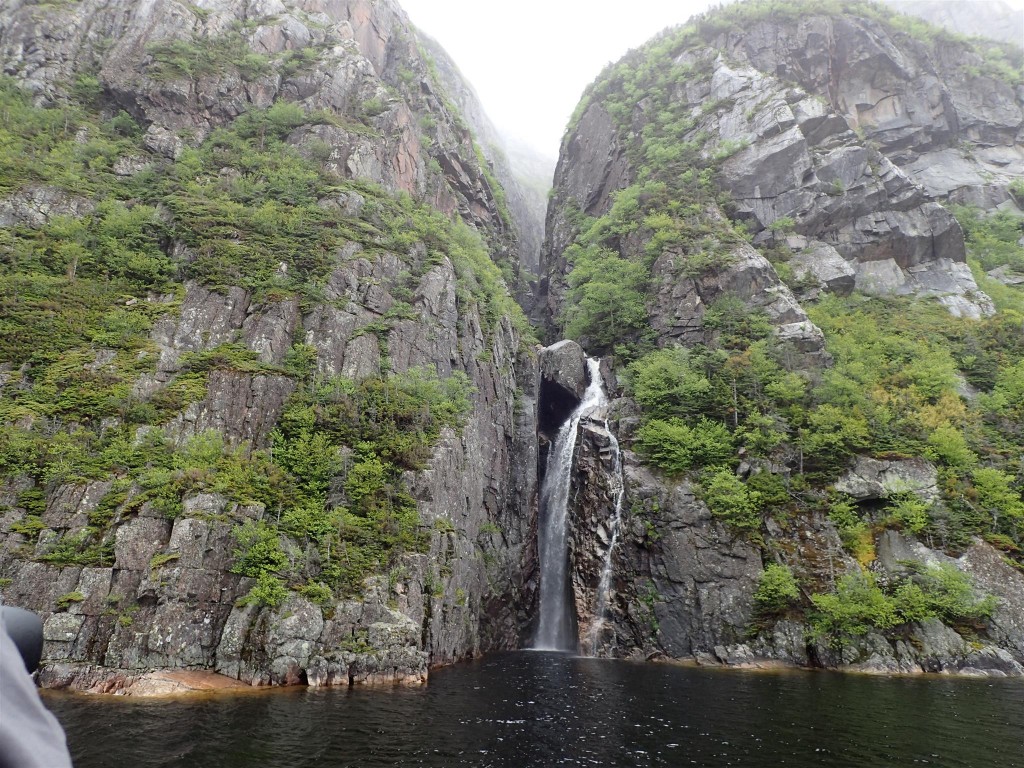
(681, 584)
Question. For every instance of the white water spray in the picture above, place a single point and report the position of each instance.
(554, 631)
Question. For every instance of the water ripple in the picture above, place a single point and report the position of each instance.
(537, 709)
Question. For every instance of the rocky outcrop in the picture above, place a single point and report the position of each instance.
(35, 205)
(564, 377)
(169, 599)
(801, 160)
(822, 147)
(952, 132)
(682, 584)
(354, 58)
(837, 129)
(678, 307)
(564, 364)
(874, 479)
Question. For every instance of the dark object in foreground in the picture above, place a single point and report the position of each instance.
(30, 737)
(26, 630)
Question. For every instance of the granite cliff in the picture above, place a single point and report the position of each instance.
(311, 292)
(760, 218)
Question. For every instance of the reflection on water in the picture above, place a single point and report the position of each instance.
(540, 709)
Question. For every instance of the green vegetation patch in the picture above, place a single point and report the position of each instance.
(80, 293)
(860, 605)
(206, 56)
(364, 436)
(893, 392)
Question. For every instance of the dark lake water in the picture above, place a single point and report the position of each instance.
(537, 709)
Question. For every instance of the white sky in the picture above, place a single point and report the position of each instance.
(529, 60)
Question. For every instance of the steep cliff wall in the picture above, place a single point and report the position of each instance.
(268, 407)
(753, 216)
(523, 173)
(837, 128)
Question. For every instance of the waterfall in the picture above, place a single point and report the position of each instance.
(605, 583)
(554, 631)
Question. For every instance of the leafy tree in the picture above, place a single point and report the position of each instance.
(833, 434)
(857, 607)
(259, 550)
(666, 384)
(606, 302)
(853, 531)
(998, 498)
(909, 511)
(949, 594)
(948, 444)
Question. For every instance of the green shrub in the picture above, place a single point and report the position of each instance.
(676, 447)
(731, 501)
(259, 550)
(317, 592)
(30, 526)
(206, 57)
(949, 594)
(783, 224)
(997, 497)
(1016, 188)
(909, 512)
(163, 558)
(269, 590)
(666, 384)
(857, 607)
(81, 549)
(777, 590)
(949, 445)
(853, 531)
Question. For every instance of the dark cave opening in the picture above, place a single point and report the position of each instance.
(556, 404)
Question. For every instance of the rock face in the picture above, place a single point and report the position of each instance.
(836, 141)
(168, 597)
(873, 479)
(846, 133)
(356, 50)
(955, 135)
(678, 308)
(564, 364)
(681, 584)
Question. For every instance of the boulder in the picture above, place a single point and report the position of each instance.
(822, 263)
(565, 364)
(879, 479)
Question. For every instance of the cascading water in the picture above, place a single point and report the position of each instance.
(605, 583)
(554, 631)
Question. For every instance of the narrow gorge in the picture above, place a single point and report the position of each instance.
(298, 386)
